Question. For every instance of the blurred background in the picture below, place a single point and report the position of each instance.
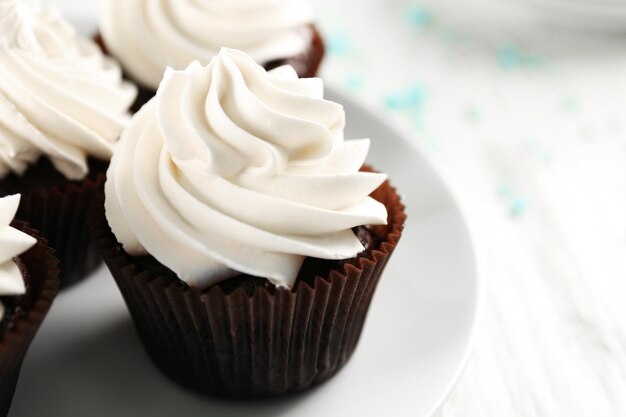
(521, 103)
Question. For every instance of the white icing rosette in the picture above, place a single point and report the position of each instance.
(147, 36)
(59, 95)
(12, 244)
(232, 169)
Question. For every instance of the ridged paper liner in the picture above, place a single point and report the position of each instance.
(60, 214)
(306, 64)
(308, 61)
(252, 342)
(43, 273)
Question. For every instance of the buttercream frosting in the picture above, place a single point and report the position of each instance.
(12, 244)
(59, 95)
(147, 36)
(232, 169)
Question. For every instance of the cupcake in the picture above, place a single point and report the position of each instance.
(28, 284)
(148, 36)
(239, 227)
(63, 105)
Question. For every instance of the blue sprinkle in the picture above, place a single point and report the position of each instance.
(569, 104)
(338, 44)
(518, 206)
(412, 98)
(509, 57)
(472, 113)
(504, 191)
(354, 82)
(394, 102)
(418, 16)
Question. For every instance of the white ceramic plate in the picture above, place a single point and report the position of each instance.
(87, 360)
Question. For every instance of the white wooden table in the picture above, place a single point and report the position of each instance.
(531, 121)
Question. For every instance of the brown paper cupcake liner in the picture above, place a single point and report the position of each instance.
(250, 339)
(307, 62)
(59, 210)
(43, 281)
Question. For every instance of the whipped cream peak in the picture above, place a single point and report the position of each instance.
(232, 169)
(148, 36)
(19, 27)
(258, 108)
(12, 244)
(60, 97)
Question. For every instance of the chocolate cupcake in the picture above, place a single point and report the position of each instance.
(241, 231)
(63, 105)
(28, 284)
(148, 36)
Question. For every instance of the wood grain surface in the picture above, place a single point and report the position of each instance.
(528, 116)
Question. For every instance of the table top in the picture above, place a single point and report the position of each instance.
(525, 111)
(522, 105)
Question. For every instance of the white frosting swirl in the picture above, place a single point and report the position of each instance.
(59, 95)
(12, 244)
(147, 36)
(232, 168)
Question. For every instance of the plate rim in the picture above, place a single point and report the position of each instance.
(459, 198)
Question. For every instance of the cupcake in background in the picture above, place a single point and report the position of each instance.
(28, 284)
(149, 36)
(63, 105)
(247, 240)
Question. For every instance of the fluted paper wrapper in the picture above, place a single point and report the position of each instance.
(43, 273)
(252, 341)
(60, 213)
(308, 61)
